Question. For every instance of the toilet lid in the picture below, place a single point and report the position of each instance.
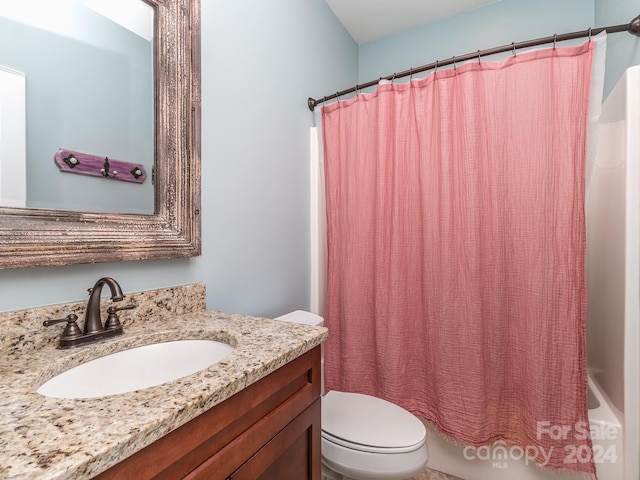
(370, 424)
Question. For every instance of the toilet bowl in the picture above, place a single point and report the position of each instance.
(364, 437)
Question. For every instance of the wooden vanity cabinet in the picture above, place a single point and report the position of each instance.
(269, 430)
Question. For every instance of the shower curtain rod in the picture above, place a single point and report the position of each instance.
(632, 27)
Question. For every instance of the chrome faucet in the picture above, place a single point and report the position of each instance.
(92, 319)
(93, 330)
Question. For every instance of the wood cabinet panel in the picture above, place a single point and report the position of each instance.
(294, 453)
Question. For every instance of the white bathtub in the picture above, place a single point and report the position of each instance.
(606, 432)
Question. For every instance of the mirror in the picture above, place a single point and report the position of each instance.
(88, 64)
(32, 237)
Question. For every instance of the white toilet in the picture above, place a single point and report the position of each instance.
(363, 437)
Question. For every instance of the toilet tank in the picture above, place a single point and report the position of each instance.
(300, 316)
(308, 318)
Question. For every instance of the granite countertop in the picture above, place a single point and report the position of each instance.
(50, 438)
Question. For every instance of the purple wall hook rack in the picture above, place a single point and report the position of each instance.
(84, 164)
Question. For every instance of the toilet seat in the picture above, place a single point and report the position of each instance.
(368, 448)
(369, 424)
(369, 438)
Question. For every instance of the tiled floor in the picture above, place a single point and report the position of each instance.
(428, 474)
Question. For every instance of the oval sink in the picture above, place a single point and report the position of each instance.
(135, 369)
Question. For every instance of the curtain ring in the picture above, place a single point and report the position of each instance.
(357, 89)
(478, 56)
(555, 38)
(393, 78)
(324, 101)
(454, 61)
(589, 33)
(513, 45)
(410, 74)
(437, 63)
(338, 96)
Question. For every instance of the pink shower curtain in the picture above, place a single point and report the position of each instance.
(456, 243)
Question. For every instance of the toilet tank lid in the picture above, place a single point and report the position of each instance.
(301, 316)
(369, 421)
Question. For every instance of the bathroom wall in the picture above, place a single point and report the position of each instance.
(623, 50)
(260, 62)
(499, 23)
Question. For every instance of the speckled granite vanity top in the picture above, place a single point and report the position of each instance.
(48, 438)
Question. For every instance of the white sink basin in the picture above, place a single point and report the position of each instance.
(135, 369)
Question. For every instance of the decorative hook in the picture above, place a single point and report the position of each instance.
(136, 172)
(105, 169)
(71, 160)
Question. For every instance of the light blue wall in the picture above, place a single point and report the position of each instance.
(497, 24)
(260, 62)
(623, 50)
(501, 23)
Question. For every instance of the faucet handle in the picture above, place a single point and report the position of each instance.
(126, 307)
(112, 318)
(71, 318)
(71, 331)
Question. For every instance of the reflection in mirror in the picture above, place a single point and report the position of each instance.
(88, 66)
(13, 155)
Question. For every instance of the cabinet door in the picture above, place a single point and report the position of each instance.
(293, 454)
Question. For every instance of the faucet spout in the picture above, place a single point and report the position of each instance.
(92, 319)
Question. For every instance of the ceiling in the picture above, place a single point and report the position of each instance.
(368, 20)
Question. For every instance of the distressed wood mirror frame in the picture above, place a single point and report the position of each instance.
(38, 237)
